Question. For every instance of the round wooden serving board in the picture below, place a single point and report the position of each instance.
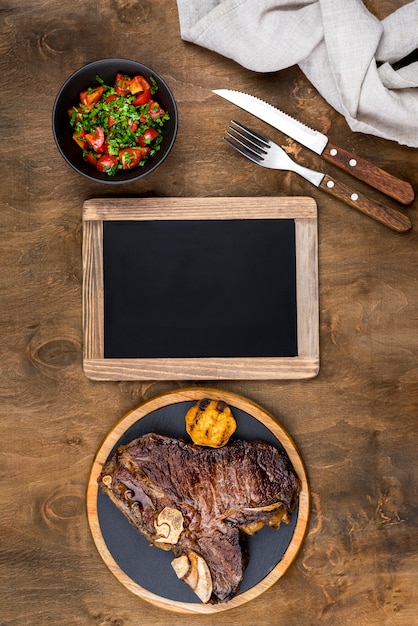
(146, 570)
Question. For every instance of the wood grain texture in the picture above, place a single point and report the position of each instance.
(355, 424)
(387, 183)
(302, 210)
(390, 217)
(167, 399)
(93, 288)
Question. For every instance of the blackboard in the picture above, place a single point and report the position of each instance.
(200, 288)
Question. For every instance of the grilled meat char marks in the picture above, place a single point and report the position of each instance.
(221, 493)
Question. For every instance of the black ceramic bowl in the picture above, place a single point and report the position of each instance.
(68, 96)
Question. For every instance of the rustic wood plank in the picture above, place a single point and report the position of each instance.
(194, 369)
(355, 424)
(93, 291)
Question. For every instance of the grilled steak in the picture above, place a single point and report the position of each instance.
(202, 501)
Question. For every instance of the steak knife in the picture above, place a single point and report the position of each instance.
(360, 168)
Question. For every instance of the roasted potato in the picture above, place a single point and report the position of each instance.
(210, 423)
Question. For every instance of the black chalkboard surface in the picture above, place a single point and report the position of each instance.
(200, 288)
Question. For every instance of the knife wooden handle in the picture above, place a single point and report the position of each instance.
(386, 215)
(388, 184)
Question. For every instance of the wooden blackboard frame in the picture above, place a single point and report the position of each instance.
(302, 210)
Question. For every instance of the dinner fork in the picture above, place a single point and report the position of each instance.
(266, 153)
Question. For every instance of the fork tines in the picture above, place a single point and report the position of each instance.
(246, 141)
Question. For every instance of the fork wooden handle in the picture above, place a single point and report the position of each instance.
(398, 189)
(386, 215)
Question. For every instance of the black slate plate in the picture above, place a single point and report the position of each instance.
(147, 570)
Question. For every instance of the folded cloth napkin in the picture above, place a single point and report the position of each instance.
(344, 50)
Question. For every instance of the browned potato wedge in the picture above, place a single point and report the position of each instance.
(210, 423)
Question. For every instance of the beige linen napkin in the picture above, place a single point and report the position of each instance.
(344, 50)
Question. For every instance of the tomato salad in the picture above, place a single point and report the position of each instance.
(118, 127)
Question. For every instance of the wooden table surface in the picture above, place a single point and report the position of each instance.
(355, 424)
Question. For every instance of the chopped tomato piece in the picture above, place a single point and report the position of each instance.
(147, 136)
(139, 83)
(106, 163)
(96, 139)
(142, 98)
(90, 97)
(150, 134)
(112, 97)
(91, 158)
(155, 110)
(122, 84)
(133, 126)
(77, 112)
(130, 157)
(80, 139)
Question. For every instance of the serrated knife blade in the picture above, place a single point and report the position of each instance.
(278, 119)
(358, 167)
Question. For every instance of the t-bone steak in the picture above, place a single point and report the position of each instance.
(200, 502)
